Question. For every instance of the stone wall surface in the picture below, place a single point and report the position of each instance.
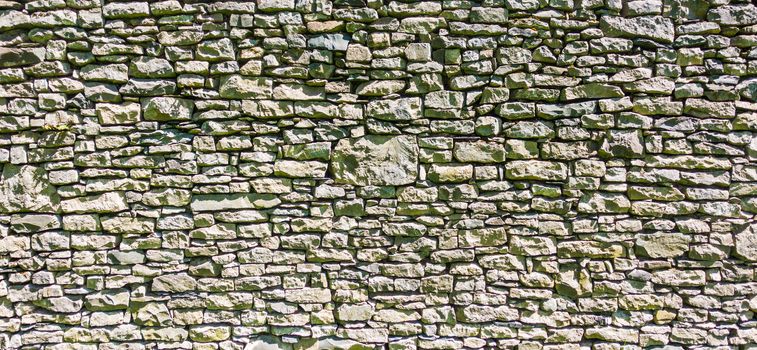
(359, 174)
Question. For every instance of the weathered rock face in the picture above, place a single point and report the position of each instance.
(655, 27)
(746, 242)
(365, 174)
(26, 188)
(376, 160)
(662, 245)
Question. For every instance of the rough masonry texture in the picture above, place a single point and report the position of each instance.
(367, 174)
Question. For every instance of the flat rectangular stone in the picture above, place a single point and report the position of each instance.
(218, 202)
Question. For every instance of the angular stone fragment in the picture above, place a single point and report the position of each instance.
(128, 225)
(483, 237)
(152, 314)
(745, 240)
(450, 173)
(376, 160)
(180, 38)
(51, 241)
(733, 15)
(216, 50)
(535, 170)
(354, 312)
(217, 202)
(148, 87)
(530, 130)
(532, 246)
(479, 152)
(613, 334)
(380, 87)
(109, 202)
(299, 169)
(409, 108)
(444, 99)
(174, 283)
(10, 19)
(623, 144)
(604, 203)
(30, 223)
(242, 87)
(63, 304)
(25, 188)
(151, 67)
(708, 109)
(107, 300)
(515, 110)
(687, 162)
(126, 10)
(15, 57)
(652, 27)
(592, 91)
(662, 244)
(589, 249)
(333, 41)
(549, 111)
(404, 229)
(679, 278)
(126, 113)
(167, 108)
(309, 295)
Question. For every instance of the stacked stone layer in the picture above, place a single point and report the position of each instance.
(304, 174)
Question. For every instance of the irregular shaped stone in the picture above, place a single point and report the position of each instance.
(126, 10)
(299, 169)
(26, 188)
(218, 202)
(242, 87)
(479, 152)
(126, 113)
(533, 246)
(152, 315)
(535, 170)
(333, 41)
(15, 57)
(733, 15)
(591, 91)
(380, 87)
(679, 278)
(746, 242)
(30, 223)
(174, 283)
(662, 244)
(400, 109)
(216, 50)
(623, 144)
(309, 295)
(589, 249)
(128, 225)
(109, 202)
(167, 108)
(107, 300)
(652, 27)
(376, 160)
(604, 203)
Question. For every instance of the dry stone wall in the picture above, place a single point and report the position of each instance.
(359, 174)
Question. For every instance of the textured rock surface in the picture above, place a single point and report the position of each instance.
(378, 174)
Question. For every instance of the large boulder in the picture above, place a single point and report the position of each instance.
(25, 188)
(376, 160)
